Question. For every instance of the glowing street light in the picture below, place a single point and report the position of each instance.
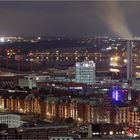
(125, 61)
(79, 120)
(114, 70)
(2, 39)
(39, 38)
(114, 61)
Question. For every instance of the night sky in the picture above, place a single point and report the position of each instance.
(64, 18)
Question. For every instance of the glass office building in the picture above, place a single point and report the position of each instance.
(85, 72)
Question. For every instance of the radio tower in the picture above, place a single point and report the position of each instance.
(129, 67)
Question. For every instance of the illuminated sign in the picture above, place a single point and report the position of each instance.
(119, 94)
(116, 95)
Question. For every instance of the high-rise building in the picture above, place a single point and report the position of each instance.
(85, 72)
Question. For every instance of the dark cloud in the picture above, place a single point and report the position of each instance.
(62, 18)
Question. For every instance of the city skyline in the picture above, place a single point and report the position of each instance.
(69, 70)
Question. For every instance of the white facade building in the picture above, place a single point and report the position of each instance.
(31, 80)
(12, 120)
(85, 72)
(61, 138)
(27, 82)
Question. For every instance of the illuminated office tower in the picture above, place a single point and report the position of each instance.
(85, 72)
